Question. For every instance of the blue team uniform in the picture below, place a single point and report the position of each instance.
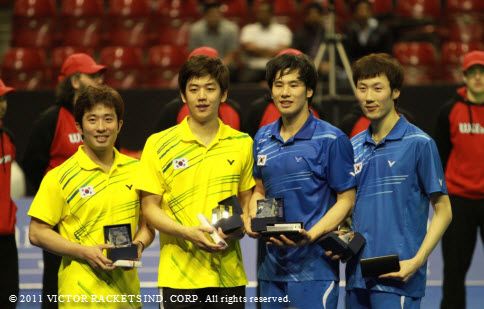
(395, 179)
(307, 171)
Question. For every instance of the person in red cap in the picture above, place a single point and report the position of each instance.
(55, 138)
(460, 138)
(9, 285)
(175, 111)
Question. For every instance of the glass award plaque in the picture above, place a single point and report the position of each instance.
(119, 235)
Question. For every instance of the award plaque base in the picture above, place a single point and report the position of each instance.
(290, 230)
(230, 225)
(123, 253)
(128, 263)
(345, 248)
(376, 266)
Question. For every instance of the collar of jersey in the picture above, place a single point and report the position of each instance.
(187, 134)
(306, 131)
(86, 163)
(396, 133)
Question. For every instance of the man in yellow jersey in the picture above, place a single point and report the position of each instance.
(185, 171)
(90, 190)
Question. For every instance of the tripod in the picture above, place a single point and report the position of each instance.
(332, 43)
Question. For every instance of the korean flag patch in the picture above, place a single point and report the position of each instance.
(180, 163)
(261, 160)
(86, 191)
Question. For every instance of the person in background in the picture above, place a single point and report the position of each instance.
(9, 285)
(54, 138)
(365, 34)
(217, 32)
(261, 41)
(460, 137)
(89, 191)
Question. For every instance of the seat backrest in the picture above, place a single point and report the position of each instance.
(415, 53)
(34, 8)
(129, 8)
(118, 57)
(24, 68)
(454, 51)
(82, 8)
(179, 9)
(459, 6)
(166, 56)
(418, 8)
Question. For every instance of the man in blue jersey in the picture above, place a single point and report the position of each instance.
(308, 163)
(398, 173)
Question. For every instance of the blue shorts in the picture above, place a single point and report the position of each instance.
(364, 299)
(303, 294)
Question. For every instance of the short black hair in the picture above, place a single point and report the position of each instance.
(208, 5)
(199, 66)
(287, 63)
(92, 96)
(374, 65)
(314, 6)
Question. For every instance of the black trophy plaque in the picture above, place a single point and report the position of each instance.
(227, 215)
(346, 245)
(119, 235)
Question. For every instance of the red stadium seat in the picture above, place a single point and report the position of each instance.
(129, 23)
(24, 68)
(164, 62)
(179, 9)
(465, 6)
(418, 9)
(382, 7)
(415, 53)
(82, 22)
(34, 8)
(452, 54)
(33, 23)
(39, 35)
(173, 34)
(465, 29)
(82, 8)
(129, 8)
(418, 59)
(234, 8)
(87, 34)
(125, 66)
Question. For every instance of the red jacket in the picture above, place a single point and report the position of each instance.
(460, 138)
(8, 209)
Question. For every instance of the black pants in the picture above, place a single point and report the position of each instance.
(49, 280)
(458, 245)
(209, 298)
(9, 283)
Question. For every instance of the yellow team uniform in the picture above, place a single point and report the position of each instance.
(81, 198)
(192, 179)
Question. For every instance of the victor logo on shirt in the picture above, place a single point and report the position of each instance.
(467, 128)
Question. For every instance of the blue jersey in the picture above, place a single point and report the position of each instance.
(307, 171)
(394, 180)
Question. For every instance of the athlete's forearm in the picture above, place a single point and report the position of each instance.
(335, 215)
(42, 235)
(439, 223)
(157, 218)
